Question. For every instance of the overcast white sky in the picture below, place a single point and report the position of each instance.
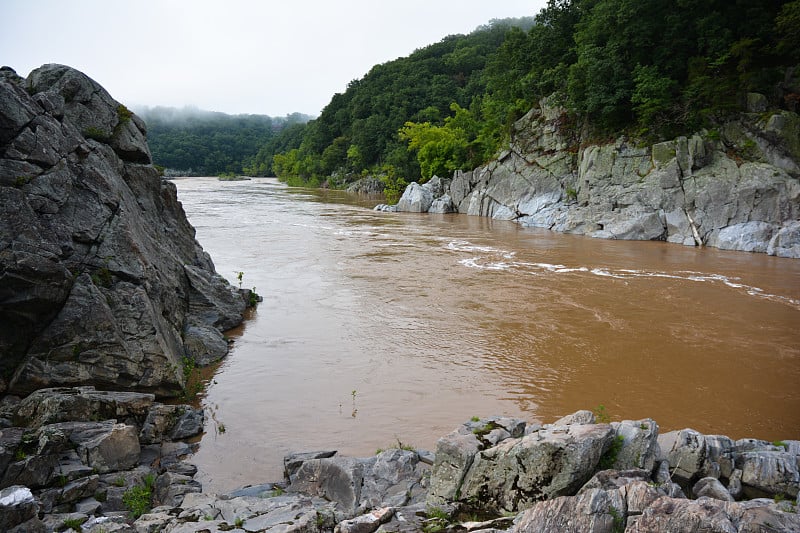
(236, 56)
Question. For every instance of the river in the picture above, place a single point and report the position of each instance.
(384, 327)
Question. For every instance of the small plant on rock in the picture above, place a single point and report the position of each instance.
(618, 520)
(74, 524)
(610, 457)
(436, 520)
(601, 415)
(139, 499)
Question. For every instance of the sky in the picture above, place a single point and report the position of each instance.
(235, 56)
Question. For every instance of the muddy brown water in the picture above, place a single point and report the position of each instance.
(384, 327)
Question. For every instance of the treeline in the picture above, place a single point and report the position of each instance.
(357, 131)
(211, 143)
(648, 68)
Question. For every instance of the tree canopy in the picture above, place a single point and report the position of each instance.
(211, 143)
(647, 68)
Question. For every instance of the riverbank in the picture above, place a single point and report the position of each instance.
(102, 461)
(733, 188)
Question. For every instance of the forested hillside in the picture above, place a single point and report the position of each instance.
(205, 142)
(651, 69)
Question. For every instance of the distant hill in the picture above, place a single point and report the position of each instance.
(207, 142)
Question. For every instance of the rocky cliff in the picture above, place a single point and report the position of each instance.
(101, 279)
(735, 188)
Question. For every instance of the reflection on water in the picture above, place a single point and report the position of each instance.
(431, 319)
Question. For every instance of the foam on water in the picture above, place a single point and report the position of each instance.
(490, 262)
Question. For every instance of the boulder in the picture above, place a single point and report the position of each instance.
(769, 473)
(443, 204)
(638, 444)
(711, 488)
(111, 450)
(172, 422)
(455, 453)
(416, 199)
(293, 461)
(392, 478)
(551, 462)
(786, 241)
(18, 510)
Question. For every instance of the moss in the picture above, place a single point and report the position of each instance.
(97, 134)
(124, 114)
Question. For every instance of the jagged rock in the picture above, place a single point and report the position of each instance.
(786, 241)
(768, 473)
(686, 452)
(392, 478)
(174, 422)
(596, 510)
(293, 461)
(287, 512)
(117, 449)
(395, 479)
(714, 516)
(443, 204)
(204, 344)
(171, 488)
(80, 404)
(551, 462)
(18, 510)
(337, 479)
(454, 456)
(416, 199)
(639, 447)
(102, 273)
(368, 185)
(746, 237)
(579, 417)
(688, 190)
(614, 479)
(152, 522)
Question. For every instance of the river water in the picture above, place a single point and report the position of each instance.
(384, 327)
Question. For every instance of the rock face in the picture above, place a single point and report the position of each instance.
(101, 277)
(737, 188)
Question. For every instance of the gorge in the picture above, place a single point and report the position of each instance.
(106, 290)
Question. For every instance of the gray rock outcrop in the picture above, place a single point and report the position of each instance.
(101, 277)
(735, 188)
(491, 475)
